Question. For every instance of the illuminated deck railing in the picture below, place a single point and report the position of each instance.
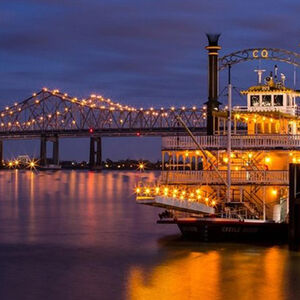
(242, 177)
(295, 111)
(237, 142)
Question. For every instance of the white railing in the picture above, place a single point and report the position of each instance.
(288, 110)
(237, 142)
(237, 177)
(240, 108)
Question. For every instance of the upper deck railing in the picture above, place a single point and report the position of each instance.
(237, 142)
(241, 177)
(295, 111)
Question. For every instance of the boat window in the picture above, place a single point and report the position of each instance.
(266, 100)
(254, 100)
(278, 100)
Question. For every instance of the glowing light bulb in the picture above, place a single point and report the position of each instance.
(274, 192)
(32, 164)
(267, 159)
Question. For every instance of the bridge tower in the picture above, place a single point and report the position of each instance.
(43, 150)
(213, 78)
(95, 153)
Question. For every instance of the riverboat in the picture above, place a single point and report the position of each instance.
(233, 182)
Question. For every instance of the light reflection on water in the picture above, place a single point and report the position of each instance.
(80, 235)
(217, 271)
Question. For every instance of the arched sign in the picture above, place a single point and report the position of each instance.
(281, 55)
(260, 53)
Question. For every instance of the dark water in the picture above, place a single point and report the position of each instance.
(80, 235)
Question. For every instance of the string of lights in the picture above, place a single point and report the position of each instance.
(49, 110)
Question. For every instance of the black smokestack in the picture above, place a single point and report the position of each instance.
(213, 78)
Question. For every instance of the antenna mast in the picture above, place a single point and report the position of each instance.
(229, 134)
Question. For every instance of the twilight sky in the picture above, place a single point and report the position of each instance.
(138, 52)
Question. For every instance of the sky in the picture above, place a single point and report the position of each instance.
(136, 52)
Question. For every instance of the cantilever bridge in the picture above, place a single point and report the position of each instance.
(50, 114)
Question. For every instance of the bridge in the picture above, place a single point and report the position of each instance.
(49, 114)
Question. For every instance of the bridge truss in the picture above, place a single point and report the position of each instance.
(50, 112)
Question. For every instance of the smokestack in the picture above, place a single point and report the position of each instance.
(213, 78)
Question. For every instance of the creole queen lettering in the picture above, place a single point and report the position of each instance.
(263, 53)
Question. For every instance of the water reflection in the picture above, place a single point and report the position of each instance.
(220, 273)
(80, 235)
(69, 206)
(194, 276)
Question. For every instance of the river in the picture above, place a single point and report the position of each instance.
(80, 235)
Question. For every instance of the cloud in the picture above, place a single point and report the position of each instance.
(144, 53)
(134, 49)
